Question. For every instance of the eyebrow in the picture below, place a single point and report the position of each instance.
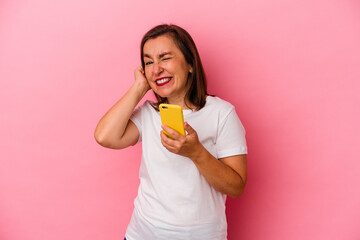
(160, 56)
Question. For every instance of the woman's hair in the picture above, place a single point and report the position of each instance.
(196, 82)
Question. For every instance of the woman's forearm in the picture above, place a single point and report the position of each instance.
(219, 175)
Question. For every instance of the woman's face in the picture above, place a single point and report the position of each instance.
(166, 68)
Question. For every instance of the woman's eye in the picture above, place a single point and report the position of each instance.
(148, 63)
(164, 59)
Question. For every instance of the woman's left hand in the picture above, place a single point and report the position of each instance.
(227, 175)
(187, 146)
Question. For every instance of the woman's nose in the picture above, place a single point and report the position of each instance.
(157, 69)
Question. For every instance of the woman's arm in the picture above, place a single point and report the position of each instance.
(227, 175)
(114, 129)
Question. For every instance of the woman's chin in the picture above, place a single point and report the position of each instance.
(161, 94)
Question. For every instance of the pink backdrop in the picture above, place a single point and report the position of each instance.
(291, 68)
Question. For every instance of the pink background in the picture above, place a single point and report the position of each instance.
(291, 68)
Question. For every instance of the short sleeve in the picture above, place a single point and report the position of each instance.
(136, 119)
(231, 136)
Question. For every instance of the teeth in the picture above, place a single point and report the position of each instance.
(163, 80)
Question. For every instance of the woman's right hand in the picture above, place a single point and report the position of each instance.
(140, 79)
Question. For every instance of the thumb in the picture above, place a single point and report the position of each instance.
(189, 129)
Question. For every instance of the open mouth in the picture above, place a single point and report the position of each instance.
(163, 81)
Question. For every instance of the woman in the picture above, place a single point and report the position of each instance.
(184, 180)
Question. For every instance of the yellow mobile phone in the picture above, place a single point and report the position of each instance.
(172, 116)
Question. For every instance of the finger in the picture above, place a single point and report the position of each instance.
(174, 134)
(165, 143)
(139, 69)
(189, 129)
(166, 139)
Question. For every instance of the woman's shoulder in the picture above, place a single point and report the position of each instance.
(218, 103)
(146, 107)
(147, 104)
(216, 109)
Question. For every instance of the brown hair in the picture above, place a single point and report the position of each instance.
(196, 83)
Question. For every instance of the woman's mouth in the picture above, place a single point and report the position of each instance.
(163, 81)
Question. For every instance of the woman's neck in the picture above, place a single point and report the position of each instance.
(181, 103)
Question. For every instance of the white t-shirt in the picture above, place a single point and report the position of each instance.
(174, 200)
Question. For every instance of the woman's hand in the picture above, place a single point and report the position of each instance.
(187, 146)
(140, 79)
(227, 175)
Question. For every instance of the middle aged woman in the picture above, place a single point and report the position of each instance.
(184, 180)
